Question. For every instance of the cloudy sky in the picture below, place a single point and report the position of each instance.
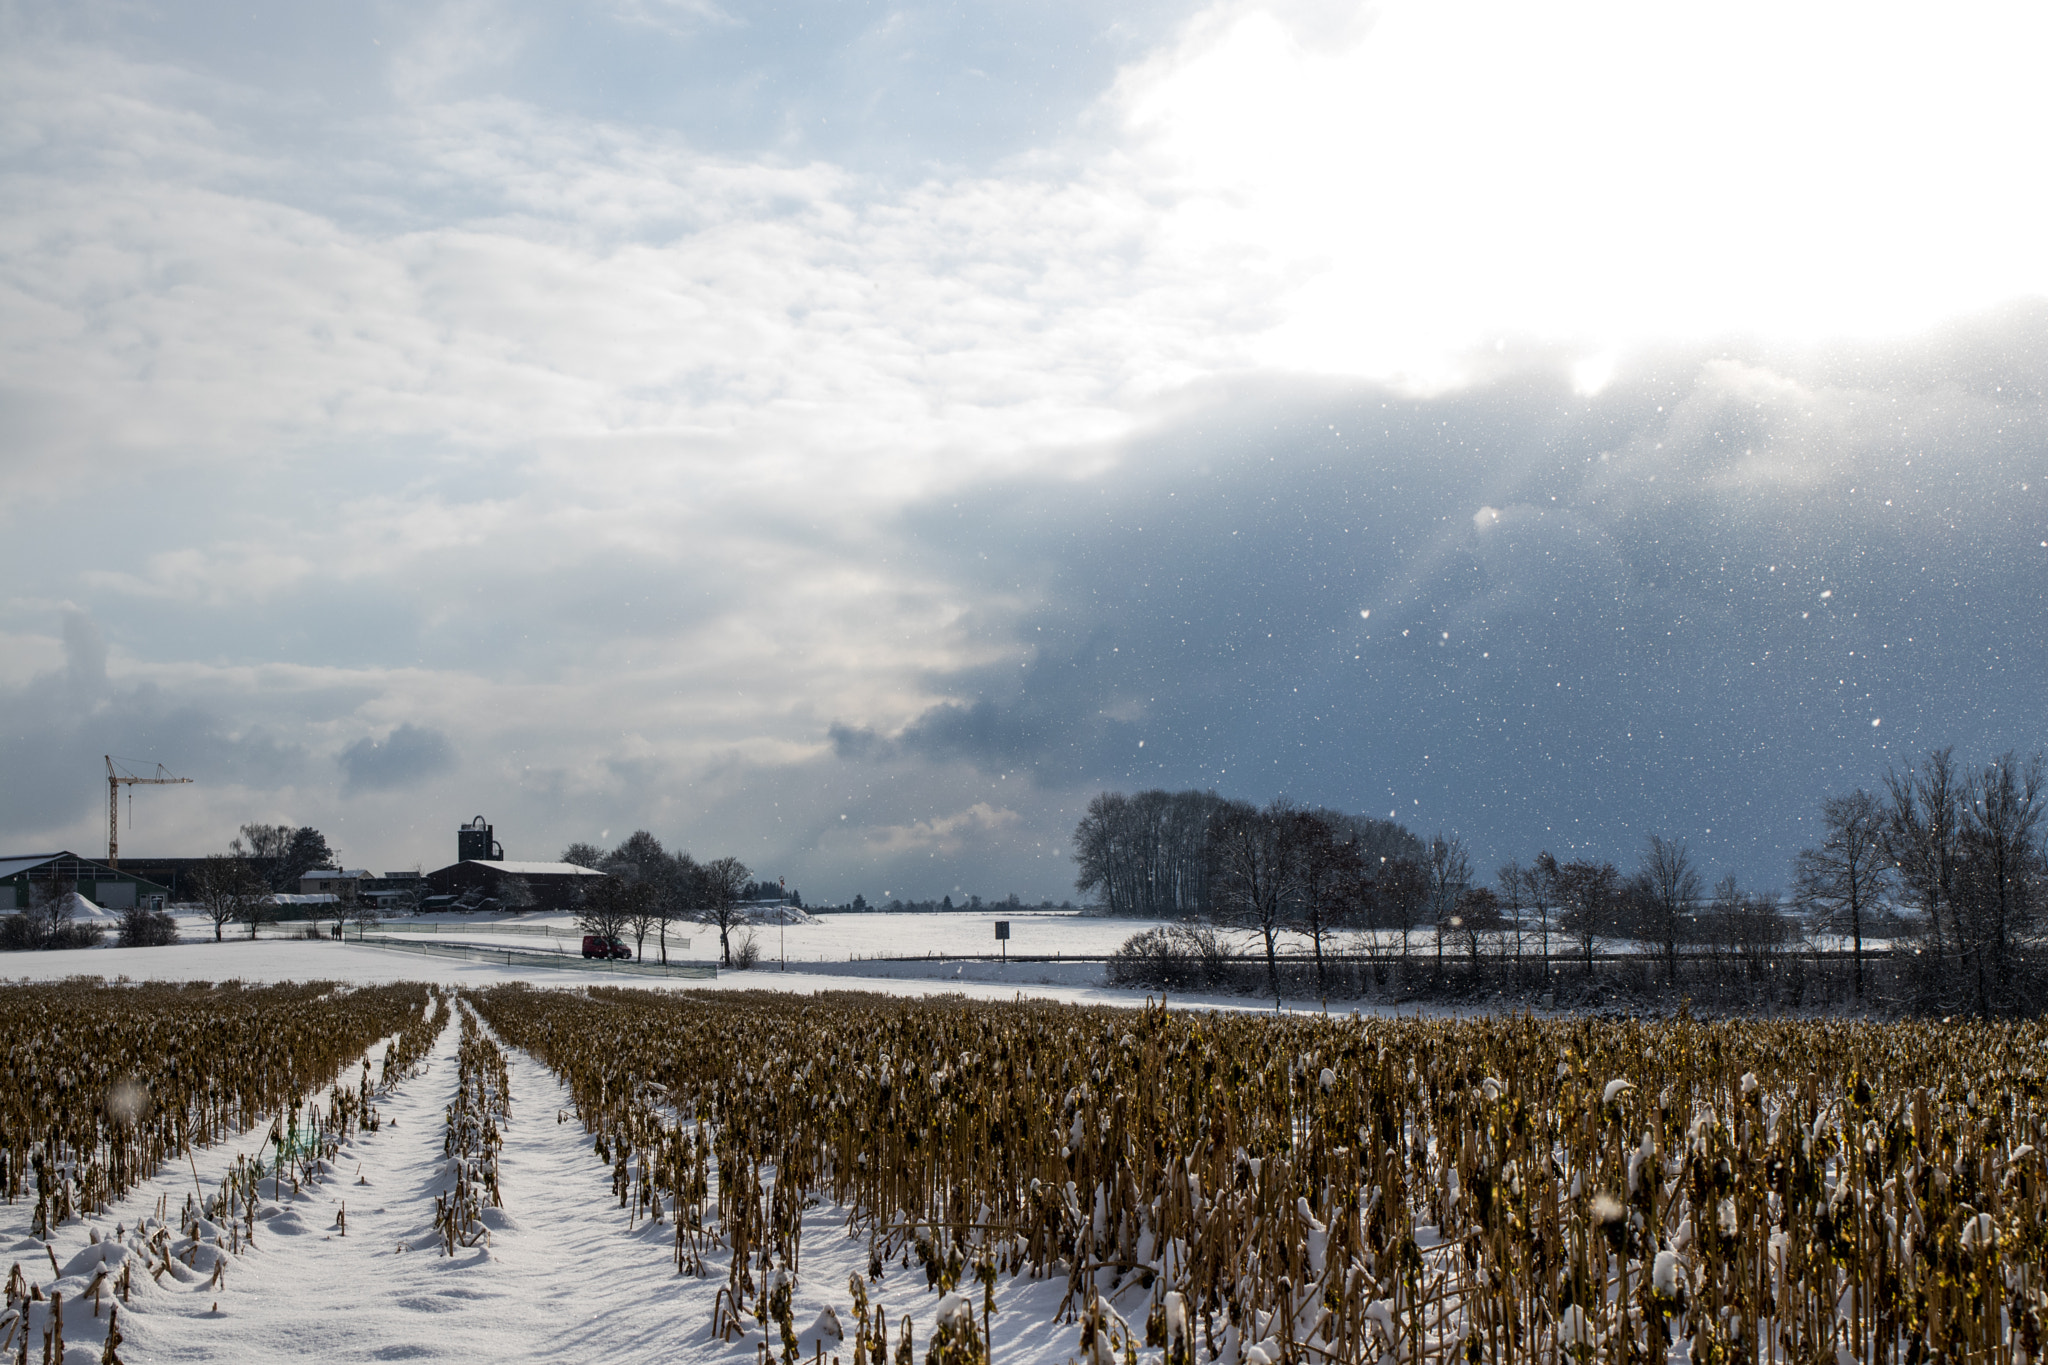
(851, 435)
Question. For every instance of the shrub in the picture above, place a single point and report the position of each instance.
(28, 930)
(1173, 957)
(746, 951)
(142, 927)
(76, 935)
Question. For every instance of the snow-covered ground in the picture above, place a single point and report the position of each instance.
(843, 938)
(822, 952)
(319, 960)
(566, 1275)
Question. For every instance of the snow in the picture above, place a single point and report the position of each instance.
(535, 869)
(299, 959)
(839, 938)
(349, 1268)
(564, 1273)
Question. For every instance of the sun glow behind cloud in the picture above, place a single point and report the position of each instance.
(1599, 174)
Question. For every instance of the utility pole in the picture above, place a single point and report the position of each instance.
(116, 781)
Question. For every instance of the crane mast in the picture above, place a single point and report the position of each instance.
(116, 781)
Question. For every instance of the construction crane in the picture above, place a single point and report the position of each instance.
(116, 781)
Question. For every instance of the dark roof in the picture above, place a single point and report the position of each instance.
(84, 869)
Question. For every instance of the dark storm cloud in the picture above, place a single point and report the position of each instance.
(1677, 606)
(406, 757)
(60, 723)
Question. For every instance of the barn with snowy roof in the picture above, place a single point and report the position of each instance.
(482, 869)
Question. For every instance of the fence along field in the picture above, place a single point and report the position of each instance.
(1255, 1189)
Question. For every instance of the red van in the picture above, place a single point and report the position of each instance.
(596, 946)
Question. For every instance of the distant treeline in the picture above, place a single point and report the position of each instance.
(943, 906)
(1945, 864)
(1158, 854)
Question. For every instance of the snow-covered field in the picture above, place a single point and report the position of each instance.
(842, 938)
(286, 959)
(829, 951)
(566, 1275)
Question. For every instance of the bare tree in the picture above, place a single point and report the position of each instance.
(1449, 870)
(609, 903)
(1145, 854)
(1246, 876)
(678, 893)
(1671, 884)
(1400, 892)
(281, 854)
(1540, 881)
(2001, 875)
(1511, 898)
(1585, 892)
(264, 848)
(1751, 925)
(516, 894)
(52, 906)
(1923, 840)
(1322, 881)
(1846, 878)
(719, 885)
(227, 886)
(143, 927)
(364, 915)
(641, 861)
(585, 855)
(1478, 917)
(258, 909)
(416, 892)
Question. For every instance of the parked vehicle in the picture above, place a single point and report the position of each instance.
(597, 946)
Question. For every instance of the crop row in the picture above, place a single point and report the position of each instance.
(474, 1118)
(106, 1082)
(1309, 1188)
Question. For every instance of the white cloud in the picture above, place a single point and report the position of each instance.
(941, 834)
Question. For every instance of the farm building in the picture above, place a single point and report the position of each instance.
(179, 874)
(553, 886)
(332, 881)
(113, 888)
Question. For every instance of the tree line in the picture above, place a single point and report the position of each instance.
(646, 889)
(1945, 864)
(945, 905)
